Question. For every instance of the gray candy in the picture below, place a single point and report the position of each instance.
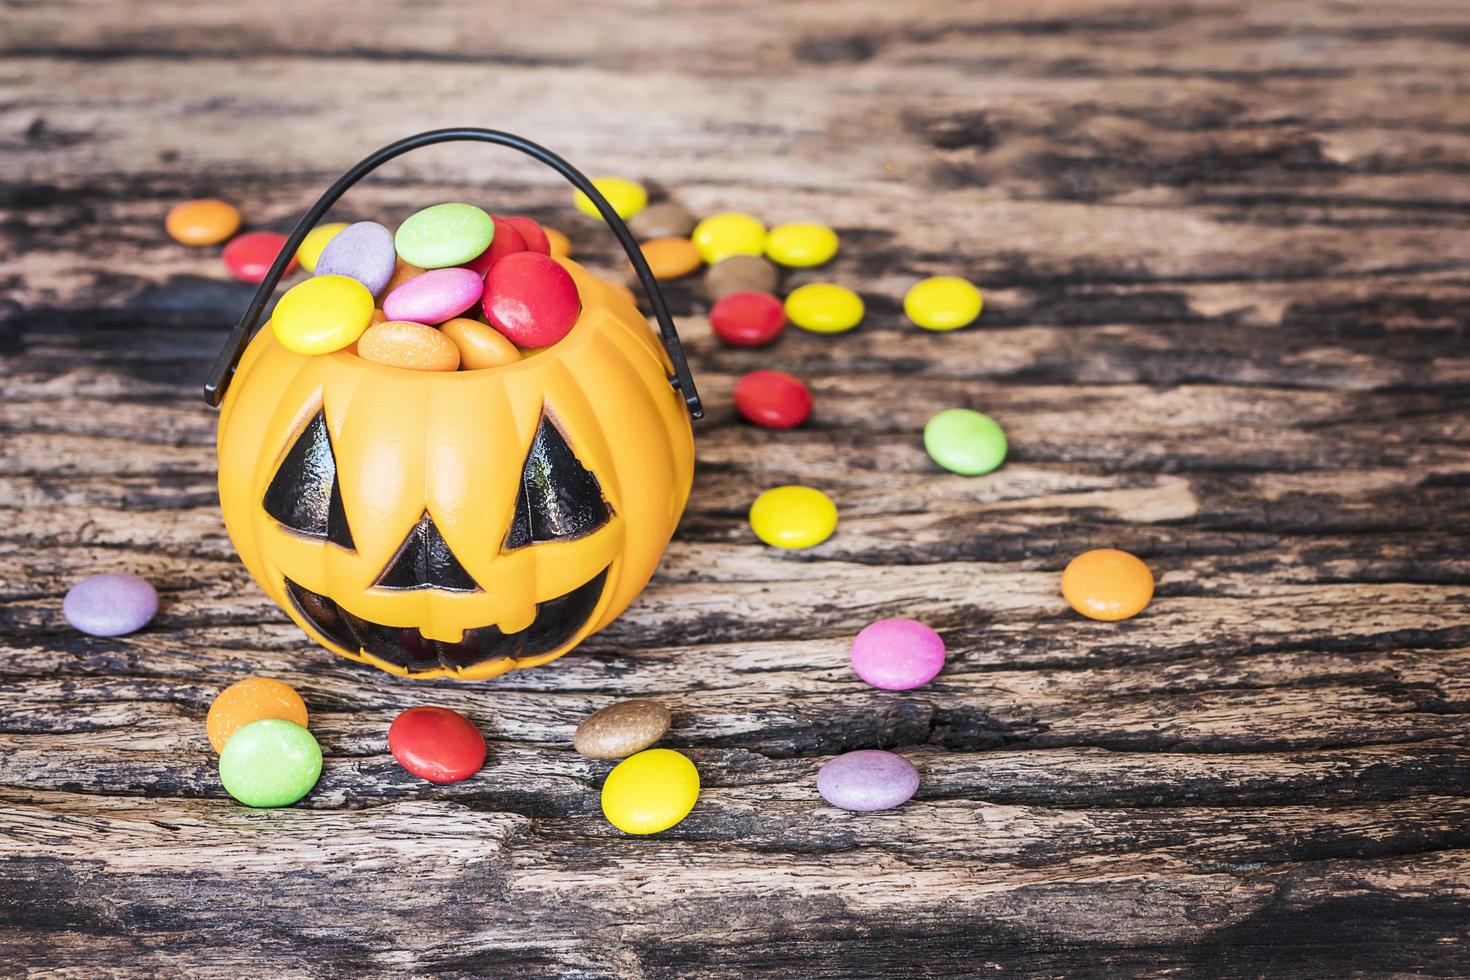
(739, 274)
(362, 251)
(867, 780)
(667, 220)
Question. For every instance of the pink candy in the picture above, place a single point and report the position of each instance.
(434, 296)
(897, 654)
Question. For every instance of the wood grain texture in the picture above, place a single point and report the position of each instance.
(1227, 269)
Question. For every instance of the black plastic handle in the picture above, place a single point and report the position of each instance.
(224, 365)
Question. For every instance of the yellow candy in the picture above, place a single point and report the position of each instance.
(626, 196)
(650, 791)
(322, 314)
(823, 307)
(793, 517)
(315, 241)
(801, 244)
(723, 235)
(943, 303)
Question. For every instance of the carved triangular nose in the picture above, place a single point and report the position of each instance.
(425, 562)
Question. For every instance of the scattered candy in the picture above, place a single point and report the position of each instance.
(943, 303)
(437, 744)
(1107, 584)
(531, 299)
(627, 197)
(823, 307)
(670, 258)
(435, 296)
(363, 251)
(270, 763)
(202, 222)
(250, 700)
(507, 240)
(444, 235)
(110, 605)
(897, 654)
(965, 441)
(479, 345)
(621, 729)
(249, 256)
(773, 399)
(868, 780)
(747, 319)
(407, 344)
(322, 314)
(667, 220)
(801, 244)
(740, 274)
(537, 239)
(723, 235)
(650, 791)
(311, 246)
(793, 517)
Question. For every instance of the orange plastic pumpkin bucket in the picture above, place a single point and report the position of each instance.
(463, 523)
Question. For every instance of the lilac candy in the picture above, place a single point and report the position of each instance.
(434, 296)
(867, 780)
(897, 654)
(110, 605)
(362, 251)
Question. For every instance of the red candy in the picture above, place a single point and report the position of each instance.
(531, 299)
(250, 255)
(506, 241)
(773, 399)
(531, 233)
(437, 744)
(748, 319)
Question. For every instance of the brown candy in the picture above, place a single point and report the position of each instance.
(621, 729)
(667, 220)
(740, 274)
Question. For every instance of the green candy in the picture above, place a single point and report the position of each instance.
(964, 441)
(270, 762)
(444, 235)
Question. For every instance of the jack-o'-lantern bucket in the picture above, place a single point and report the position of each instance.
(460, 523)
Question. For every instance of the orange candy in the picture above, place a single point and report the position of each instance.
(402, 343)
(402, 273)
(248, 701)
(561, 245)
(1107, 584)
(670, 258)
(479, 346)
(203, 222)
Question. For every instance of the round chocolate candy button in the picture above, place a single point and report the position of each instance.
(773, 399)
(748, 319)
(437, 744)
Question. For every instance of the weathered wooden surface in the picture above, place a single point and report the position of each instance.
(1226, 254)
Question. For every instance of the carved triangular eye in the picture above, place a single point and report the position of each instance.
(425, 562)
(559, 498)
(304, 495)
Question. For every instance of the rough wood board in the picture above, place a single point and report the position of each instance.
(1228, 273)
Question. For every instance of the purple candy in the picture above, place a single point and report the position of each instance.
(897, 654)
(362, 251)
(110, 605)
(434, 296)
(867, 780)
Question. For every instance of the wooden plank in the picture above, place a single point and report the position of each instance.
(1224, 253)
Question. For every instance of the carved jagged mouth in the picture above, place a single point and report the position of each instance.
(557, 621)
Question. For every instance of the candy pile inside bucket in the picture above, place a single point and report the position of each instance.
(454, 288)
